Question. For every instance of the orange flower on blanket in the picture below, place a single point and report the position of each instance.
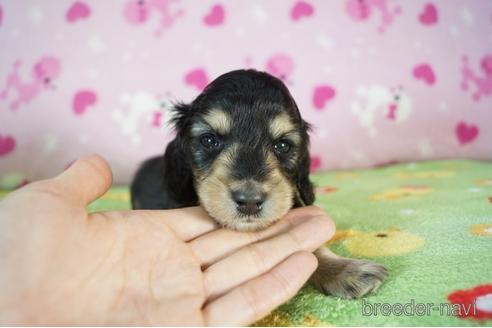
(484, 182)
(481, 229)
(326, 190)
(474, 303)
(401, 192)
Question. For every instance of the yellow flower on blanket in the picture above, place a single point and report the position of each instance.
(341, 235)
(281, 319)
(481, 229)
(401, 192)
(425, 174)
(392, 242)
(275, 319)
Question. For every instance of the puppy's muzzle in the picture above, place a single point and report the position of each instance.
(249, 201)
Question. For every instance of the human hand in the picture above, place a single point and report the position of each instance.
(61, 265)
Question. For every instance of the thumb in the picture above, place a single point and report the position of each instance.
(86, 179)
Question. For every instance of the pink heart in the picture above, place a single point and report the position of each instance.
(280, 65)
(157, 119)
(215, 16)
(429, 15)
(301, 9)
(197, 78)
(424, 72)
(322, 94)
(315, 163)
(466, 132)
(7, 145)
(78, 10)
(82, 100)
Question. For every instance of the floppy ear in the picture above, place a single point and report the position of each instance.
(178, 177)
(305, 190)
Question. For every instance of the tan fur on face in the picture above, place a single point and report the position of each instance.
(281, 125)
(214, 191)
(219, 121)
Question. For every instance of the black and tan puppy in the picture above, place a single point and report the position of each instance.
(241, 152)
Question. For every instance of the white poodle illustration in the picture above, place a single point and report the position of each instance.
(379, 101)
(141, 108)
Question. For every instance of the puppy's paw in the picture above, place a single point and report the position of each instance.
(348, 278)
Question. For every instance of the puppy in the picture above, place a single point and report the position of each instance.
(241, 152)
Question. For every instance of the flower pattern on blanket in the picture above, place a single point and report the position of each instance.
(390, 242)
(474, 303)
(484, 229)
(433, 247)
(401, 192)
(425, 174)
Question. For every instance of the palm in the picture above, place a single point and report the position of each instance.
(173, 267)
(151, 254)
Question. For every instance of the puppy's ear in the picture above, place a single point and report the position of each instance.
(181, 114)
(305, 190)
(178, 177)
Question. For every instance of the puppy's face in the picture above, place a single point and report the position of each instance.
(246, 144)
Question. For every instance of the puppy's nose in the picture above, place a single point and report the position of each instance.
(248, 202)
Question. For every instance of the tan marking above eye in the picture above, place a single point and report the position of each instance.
(281, 125)
(219, 121)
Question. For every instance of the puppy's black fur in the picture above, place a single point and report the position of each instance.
(251, 97)
(241, 151)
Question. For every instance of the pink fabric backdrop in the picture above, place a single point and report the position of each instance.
(380, 80)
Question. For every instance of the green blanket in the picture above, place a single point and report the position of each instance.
(429, 223)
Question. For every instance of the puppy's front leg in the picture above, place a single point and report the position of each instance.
(344, 277)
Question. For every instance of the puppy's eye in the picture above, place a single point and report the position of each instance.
(282, 147)
(210, 141)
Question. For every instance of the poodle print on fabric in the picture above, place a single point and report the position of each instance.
(378, 102)
(43, 76)
(481, 83)
(138, 12)
(379, 81)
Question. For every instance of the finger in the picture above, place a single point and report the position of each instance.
(187, 223)
(253, 300)
(218, 244)
(86, 180)
(258, 258)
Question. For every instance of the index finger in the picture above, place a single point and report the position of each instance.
(187, 223)
(253, 300)
(215, 245)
